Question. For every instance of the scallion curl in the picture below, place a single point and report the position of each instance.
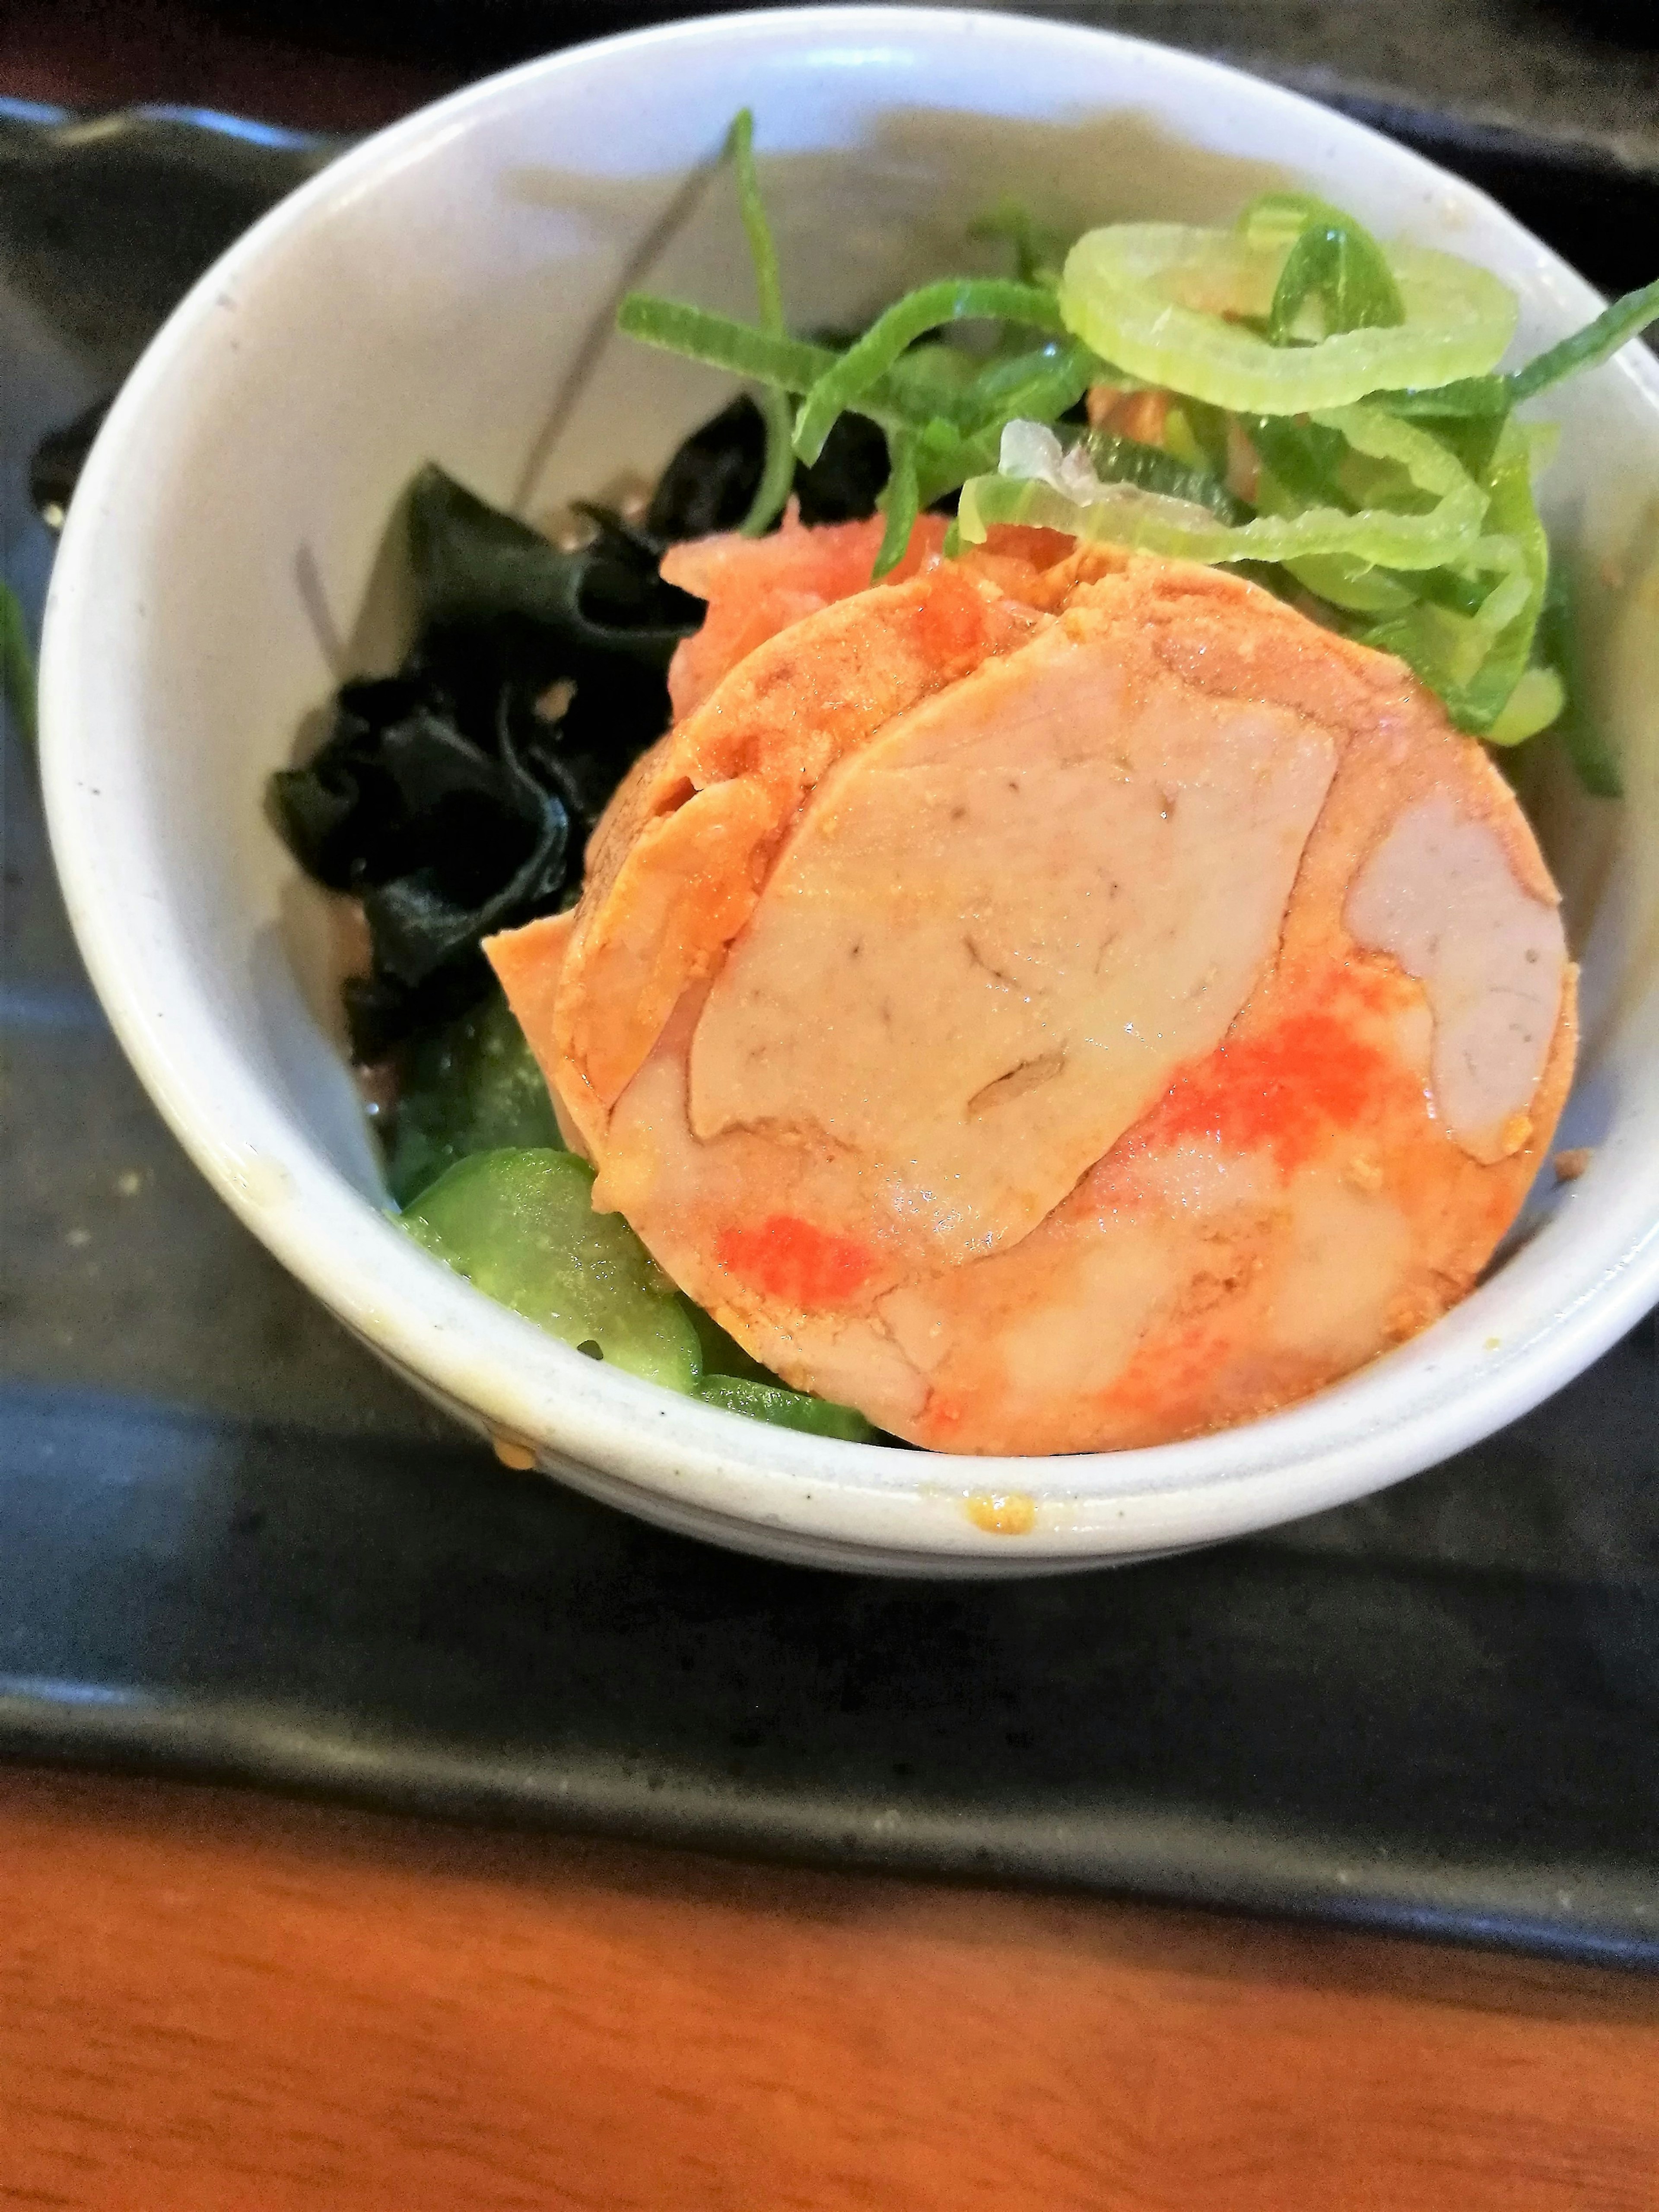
(778, 475)
(862, 366)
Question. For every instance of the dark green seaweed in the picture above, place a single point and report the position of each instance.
(711, 483)
(455, 798)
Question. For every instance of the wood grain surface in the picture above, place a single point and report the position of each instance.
(211, 2000)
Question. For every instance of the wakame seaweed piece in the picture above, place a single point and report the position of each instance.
(340, 807)
(710, 484)
(845, 482)
(382, 1015)
(578, 756)
(441, 839)
(549, 610)
(507, 612)
(441, 797)
(432, 912)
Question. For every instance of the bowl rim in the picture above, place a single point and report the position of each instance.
(670, 1459)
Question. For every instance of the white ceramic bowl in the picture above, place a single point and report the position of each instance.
(430, 294)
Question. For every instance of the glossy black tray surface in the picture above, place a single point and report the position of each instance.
(231, 1547)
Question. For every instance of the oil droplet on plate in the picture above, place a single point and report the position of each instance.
(521, 1457)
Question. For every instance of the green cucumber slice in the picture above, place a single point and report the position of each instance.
(785, 1409)
(520, 1226)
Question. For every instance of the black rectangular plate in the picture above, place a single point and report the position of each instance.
(233, 1547)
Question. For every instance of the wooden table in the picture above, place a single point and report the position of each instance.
(209, 1999)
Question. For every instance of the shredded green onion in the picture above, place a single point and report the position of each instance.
(1039, 484)
(900, 503)
(1125, 460)
(721, 342)
(1336, 262)
(1588, 349)
(779, 474)
(1349, 389)
(912, 393)
(853, 375)
(1475, 661)
(946, 460)
(1038, 250)
(1475, 397)
(1470, 398)
(1041, 385)
(1038, 385)
(768, 284)
(1580, 735)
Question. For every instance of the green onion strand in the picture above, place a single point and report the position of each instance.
(778, 477)
(1125, 460)
(851, 378)
(721, 342)
(763, 252)
(1581, 736)
(1404, 504)
(1337, 262)
(1588, 349)
(900, 503)
(897, 401)
(1039, 251)
(1470, 398)
(1038, 387)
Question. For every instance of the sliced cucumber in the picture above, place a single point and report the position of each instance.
(785, 1409)
(519, 1225)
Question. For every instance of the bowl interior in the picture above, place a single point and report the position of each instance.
(446, 293)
